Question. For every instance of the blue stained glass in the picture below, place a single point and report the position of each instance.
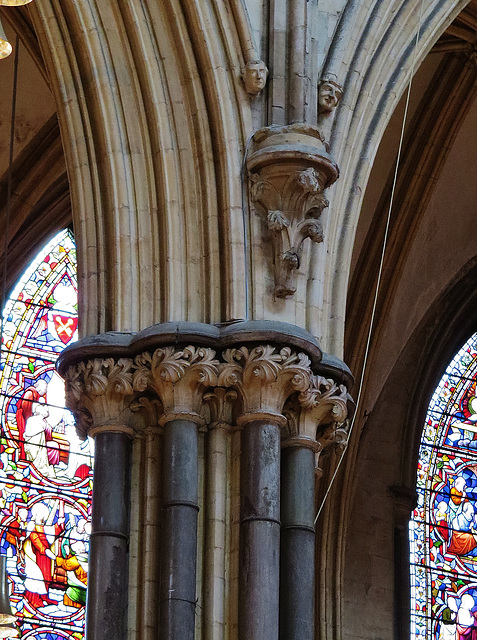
(45, 469)
(443, 529)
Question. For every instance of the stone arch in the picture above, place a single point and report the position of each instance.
(152, 118)
(372, 54)
(384, 472)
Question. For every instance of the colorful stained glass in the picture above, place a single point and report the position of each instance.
(45, 469)
(443, 529)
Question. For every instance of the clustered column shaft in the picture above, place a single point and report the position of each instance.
(180, 513)
(254, 388)
(260, 530)
(297, 548)
(108, 556)
(99, 391)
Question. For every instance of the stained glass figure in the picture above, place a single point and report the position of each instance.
(45, 469)
(443, 529)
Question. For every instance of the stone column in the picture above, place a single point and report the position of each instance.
(179, 377)
(264, 377)
(219, 432)
(99, 392)
(405, 500)
(320, 409)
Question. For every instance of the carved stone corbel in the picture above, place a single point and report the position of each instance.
(179, 377)
(289, 169)
(264, 378)
(99, 392)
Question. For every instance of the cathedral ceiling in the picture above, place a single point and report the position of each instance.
(40, 193)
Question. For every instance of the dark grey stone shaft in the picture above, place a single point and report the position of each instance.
(180, 516)
(106, 607)
(297, 550)
(260, 531)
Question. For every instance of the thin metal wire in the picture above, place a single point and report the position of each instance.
(381, 263)
(9, 187)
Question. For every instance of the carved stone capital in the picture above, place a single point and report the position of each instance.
(264, 377)
(150, 407)
(318, 418)
(220, 404)
(179, 377)
(99, 393)
(289, 170)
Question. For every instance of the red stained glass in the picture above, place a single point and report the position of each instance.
(45, 469)
(443, 530)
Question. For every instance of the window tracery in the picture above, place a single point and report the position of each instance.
(45, 469)
(443, 529)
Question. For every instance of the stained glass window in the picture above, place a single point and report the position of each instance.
(443, 530)
(45, 469)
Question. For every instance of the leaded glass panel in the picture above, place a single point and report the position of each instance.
(443, 529)
(45, 469)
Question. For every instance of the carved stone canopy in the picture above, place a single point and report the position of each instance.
(289, 169)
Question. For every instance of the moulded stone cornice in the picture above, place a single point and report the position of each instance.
(179, 377)
(289, 169)
(165, 380)
(181, 334)
(99, 392)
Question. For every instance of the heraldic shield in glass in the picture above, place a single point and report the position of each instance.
(45, 469)
(443, 530)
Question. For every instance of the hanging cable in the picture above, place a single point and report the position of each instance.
(381, 263)
(9, 188)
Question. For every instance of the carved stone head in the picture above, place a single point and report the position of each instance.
(255, 76)
(329, 94)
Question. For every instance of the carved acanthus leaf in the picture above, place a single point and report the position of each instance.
(178, 376)
(277, 221)
(333, 434)
(309, 180)
(150, 407)
(265, 376)
(324, 410)
(265, 192)
(220, 403)
(99, 392)
(312, 229)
